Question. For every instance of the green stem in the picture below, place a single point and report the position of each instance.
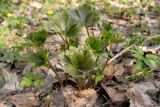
(97, 59)
(87, 31)
(67, 42)
(64, 40)
(57, 75)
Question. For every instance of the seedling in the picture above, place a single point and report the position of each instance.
(145, 60)
(79, 63)
(32, 80)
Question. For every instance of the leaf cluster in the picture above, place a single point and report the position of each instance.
(78, 62)
(152, 61)
(32, 79)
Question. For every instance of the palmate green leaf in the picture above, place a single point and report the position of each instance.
(38, 58)
(32, 79)
(63, 23)
(85, 14)
(78, 62)
(38, 37)
(10, 54)
(94, 43)
(26, 82)
(73, 71)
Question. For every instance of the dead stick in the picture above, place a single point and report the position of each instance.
(139, 73)
(119, 54)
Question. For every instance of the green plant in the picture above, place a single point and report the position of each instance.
(62, 23)
(38, 37)
(16, 22)
(38, 58)
(78, 62)
(145, 60)
(86, 15)
(98, 75)
(4, 30)
(155, 41)
(32, 79)
(108, 37)
(134, 39)
(94, 43)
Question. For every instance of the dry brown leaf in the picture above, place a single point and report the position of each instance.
(113, 70)
(24, 100)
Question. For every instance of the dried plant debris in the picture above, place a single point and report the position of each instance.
(144, 94)
(83, 98)
(79, 53)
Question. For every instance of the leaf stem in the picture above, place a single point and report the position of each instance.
(57, 75)
(64, 40)
(119, 54)
(67, 42)
(87, 31)
(97, 59)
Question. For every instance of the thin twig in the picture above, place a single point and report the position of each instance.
(152, 37)
(119, 54)
(139, 73)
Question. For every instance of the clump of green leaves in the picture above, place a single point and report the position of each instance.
(38, 37)
(94, 44)
(38, 58)
(32, 79)
(78, 62)
(155, 41)
(4, 30)
(108, 37)
(16, 22)
(144, 63)
(134, 39)
(142, 59)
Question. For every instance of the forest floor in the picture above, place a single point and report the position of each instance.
(114, 91)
